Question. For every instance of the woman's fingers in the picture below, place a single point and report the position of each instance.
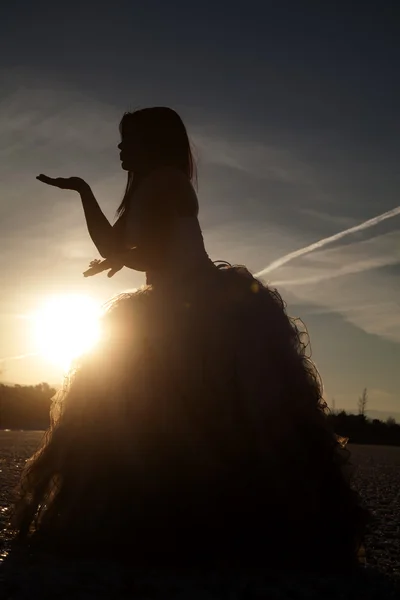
(59, 182)
(98, 266)
(104, 265)
(65, 183)
(46, 179)
(114, 270)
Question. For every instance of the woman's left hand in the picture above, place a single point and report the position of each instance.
(65, 183)
(98, 266)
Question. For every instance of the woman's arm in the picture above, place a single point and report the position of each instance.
(133, 259)
(148, 234)
(103, 235)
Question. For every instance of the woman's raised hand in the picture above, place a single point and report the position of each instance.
(65, 183)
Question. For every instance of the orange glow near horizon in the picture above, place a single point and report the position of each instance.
(66, 327)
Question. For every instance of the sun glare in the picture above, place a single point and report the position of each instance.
(66, 327)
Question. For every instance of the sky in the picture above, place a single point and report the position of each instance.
(293, 109)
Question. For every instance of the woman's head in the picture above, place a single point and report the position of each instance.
(152, 138)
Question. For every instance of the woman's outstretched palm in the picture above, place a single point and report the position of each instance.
(64, 183)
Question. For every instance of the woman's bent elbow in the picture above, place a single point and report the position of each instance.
(108, 250)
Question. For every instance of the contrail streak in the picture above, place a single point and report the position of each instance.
(333, 238)
(18, 357)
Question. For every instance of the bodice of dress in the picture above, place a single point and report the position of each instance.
(185, 251)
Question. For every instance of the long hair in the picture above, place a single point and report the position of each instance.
(163, 140)
(196, 432)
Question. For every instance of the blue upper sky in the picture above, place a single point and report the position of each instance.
(294, 111)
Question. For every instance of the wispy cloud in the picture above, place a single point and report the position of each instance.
(255, 159)
(17, 357)
(328, 240)
(349, 280)
(365, 255)
(332, 220)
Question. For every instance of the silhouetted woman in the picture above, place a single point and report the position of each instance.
(158, 230)
(195, 433)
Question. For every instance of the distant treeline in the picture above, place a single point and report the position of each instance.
(28, 407)
(25, 406)
(361, 430)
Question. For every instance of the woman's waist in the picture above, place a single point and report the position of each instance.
(183, 268)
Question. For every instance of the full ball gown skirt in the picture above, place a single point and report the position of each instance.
(194, 434)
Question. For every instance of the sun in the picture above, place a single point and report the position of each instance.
(66, 327)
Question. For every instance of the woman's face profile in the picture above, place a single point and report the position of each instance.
(131, 148)
(130, 155)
